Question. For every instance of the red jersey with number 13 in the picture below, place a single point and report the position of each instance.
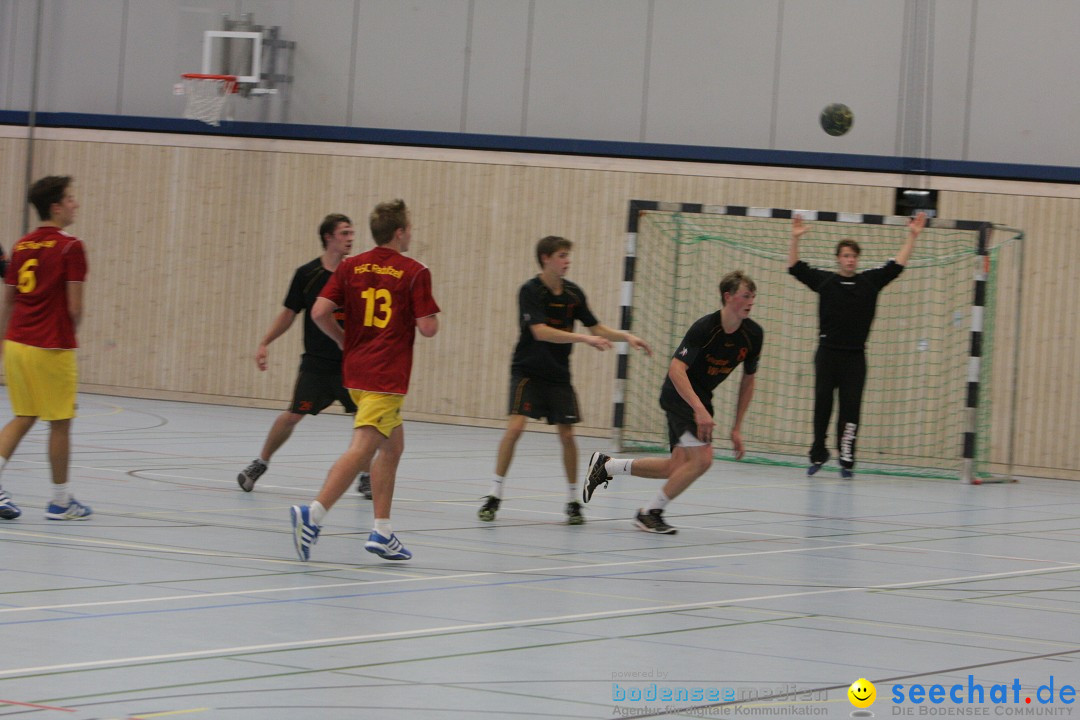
(383, 293)
(42, 264)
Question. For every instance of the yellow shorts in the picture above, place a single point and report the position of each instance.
(41, 383)
(380, 410)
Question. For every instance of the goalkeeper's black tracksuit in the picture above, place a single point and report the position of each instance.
(845, 312)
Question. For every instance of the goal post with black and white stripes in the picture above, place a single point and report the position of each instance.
(928, 407)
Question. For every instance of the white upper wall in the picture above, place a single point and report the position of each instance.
(983, 80)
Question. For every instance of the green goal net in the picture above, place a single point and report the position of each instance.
(927, 406)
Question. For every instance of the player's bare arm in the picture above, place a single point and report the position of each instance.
(322, 314)
(5, 309)
(546, 333)
(281, 323)
(621, 336)
(746, 394)
(798, 229)
(428, 325)
(702, 418)
(74, 292)
(915, 228)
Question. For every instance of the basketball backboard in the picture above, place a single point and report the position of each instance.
(232, 52)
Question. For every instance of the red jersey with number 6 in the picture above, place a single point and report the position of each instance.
(42, 264)
(383, 293)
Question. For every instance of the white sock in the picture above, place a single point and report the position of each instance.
(572, 493)
(497, 486)
(615, 466)
(659, 502)
(382, 526)
(3, 464)
(61, 495)
(318, 512)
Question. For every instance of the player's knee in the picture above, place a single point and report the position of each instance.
(516, 427)
(392, 452)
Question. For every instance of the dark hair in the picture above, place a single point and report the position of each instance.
(386, 219)
(848, 243)
(46, 191)
(329, 225)
(550, 245)
(731, 283)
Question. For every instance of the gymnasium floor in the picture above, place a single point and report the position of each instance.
(182, 596)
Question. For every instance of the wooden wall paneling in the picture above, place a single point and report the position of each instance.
(193, 241)
(1048, 354)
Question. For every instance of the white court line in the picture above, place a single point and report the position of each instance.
(449, 578)
(473, 627)
(150, 474)
(443, 578)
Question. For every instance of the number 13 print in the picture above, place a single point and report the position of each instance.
(377, 310)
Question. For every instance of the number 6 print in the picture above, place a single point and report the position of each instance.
(27, 278)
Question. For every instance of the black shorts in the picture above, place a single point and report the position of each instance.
(540, 399)
(679, 421)
(314, 392)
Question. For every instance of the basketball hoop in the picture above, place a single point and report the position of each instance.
(207, 96)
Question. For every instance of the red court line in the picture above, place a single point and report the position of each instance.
(32, 705)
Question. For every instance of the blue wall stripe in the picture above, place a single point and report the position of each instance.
(559, 146)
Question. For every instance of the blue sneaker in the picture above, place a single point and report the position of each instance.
(8, 509)
(387, 548)
(75, 510)
(305, 532)
(846, 473)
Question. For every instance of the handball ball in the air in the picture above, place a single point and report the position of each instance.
(836, 119)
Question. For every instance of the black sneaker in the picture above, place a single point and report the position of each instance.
(815, 466)
(487, 512)
(653, 521)
(573, 513)
(595, 475)
(363, 484)
(247, 477)
(847, 474)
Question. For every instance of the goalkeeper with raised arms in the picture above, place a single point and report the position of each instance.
(846, 307)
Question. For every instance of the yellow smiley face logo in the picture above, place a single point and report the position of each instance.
(862, 693)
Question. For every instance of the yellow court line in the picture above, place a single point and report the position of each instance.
(169, 712)
(116, 410)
